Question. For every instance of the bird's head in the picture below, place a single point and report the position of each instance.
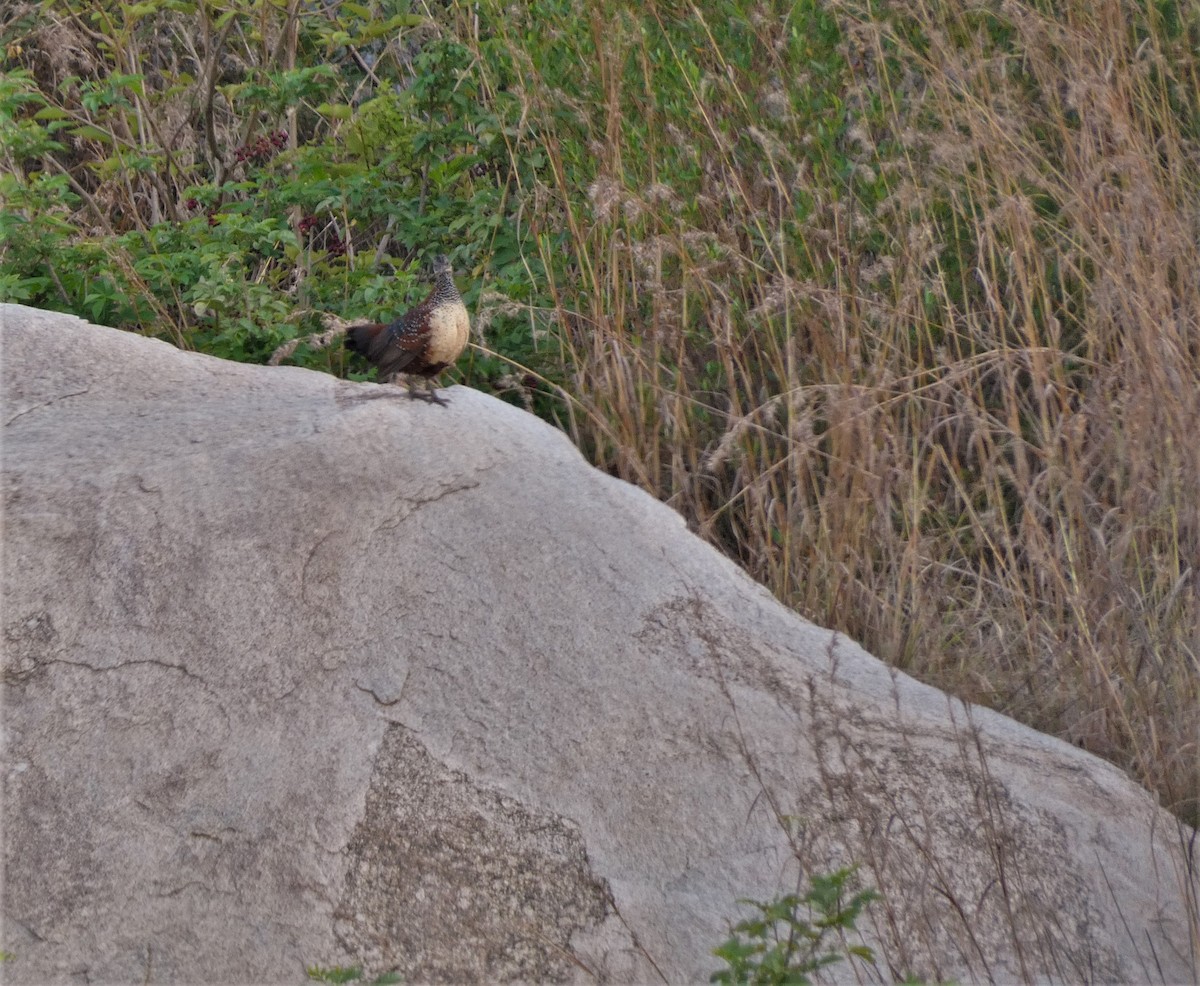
(441, 265)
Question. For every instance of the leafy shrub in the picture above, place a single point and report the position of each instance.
(780, 946)
(289, 189)
(348, 974)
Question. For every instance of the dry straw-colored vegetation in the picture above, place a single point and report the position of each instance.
(898, 303)
(954, 415)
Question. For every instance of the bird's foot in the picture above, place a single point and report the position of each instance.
(430, 396)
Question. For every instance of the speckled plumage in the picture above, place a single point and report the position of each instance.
(423, 341)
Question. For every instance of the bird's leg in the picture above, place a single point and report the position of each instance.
(429, 394)
(431, 390)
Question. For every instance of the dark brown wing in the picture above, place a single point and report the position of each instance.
(400, 353)
(396, 347)
(401, 346)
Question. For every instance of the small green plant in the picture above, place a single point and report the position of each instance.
(348, 974)
(780, 946)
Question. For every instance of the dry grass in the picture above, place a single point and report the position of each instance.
(957, 423)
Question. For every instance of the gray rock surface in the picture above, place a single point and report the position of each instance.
(300, 671)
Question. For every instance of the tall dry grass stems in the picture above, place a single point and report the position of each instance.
(961, 423)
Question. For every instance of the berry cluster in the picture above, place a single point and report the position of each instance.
(262, 149)
(335, 246)
(193, 204)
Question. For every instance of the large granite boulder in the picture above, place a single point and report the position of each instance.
(299, 671)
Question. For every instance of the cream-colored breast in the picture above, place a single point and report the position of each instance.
(449, 329)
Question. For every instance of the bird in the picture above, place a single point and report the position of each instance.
(423, 341)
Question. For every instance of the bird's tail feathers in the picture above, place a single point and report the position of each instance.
(360, 337)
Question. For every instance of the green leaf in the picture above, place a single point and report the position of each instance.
(89, 132)
(339, 111)
(391, 26)
(136, 11)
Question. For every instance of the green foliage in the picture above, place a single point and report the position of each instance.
(37, 206)
(349, 974)
(312, 178)
(779, 947)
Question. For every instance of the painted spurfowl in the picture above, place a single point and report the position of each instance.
(423, 341)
